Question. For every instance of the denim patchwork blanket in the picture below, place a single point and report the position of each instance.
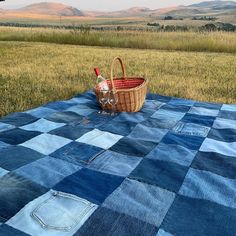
(169, 169)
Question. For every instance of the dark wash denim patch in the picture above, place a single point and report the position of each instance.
(225, 135)
(91, 185)
(18, 119)
(199, 119)
(106, 222)
(77, 153)
(13, 157)
(133, 147)
(17, 136)
(6, 230)
(15, 193)
(188, 216)
(167, 175)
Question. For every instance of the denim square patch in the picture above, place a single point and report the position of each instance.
(214, 106)
(191, 129)
(188, 215)
(227, 107)
(18, 119)
(173, 153)
(3, 145)
(53, 214)
(133, 147)
(199, 119)
(72, 132)
(152, 104)
(142, 201)
(46, 143)
(176, 108)
(161, 123)
(216, 163)
(158, 97)
(3, 172)
(224, 135)
(181, 102)
(77, 153)
(40, 112)
(47, 171)
(145, 133)
(163, 114)
(14, 157)
(6, 230)
(81, 110)
(131, 117)
(89, 184)
(17, 136)
(99, 138)
(187, 141)
(206, 185)
(121, 128)
(203, 111)
(15, 193)
(221, 123)
(115, 163)
(65, 117)
(167, 175)
(107, 222)
(211, 145)
(59, 105)
(42, 125)
(5, 127)
(231, 115)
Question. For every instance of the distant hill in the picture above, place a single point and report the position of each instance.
(213, 4)
(46, 8)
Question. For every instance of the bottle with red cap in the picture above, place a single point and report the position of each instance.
(101, 81)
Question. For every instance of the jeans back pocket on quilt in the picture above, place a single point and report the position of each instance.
(191, 129)
(62, 211)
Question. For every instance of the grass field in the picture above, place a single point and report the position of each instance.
(32, 74)
(181, 41)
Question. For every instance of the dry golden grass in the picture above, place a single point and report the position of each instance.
(32, 74)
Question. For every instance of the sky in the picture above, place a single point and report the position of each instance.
(102, 5)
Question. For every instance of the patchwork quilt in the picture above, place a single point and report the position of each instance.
(169, 169)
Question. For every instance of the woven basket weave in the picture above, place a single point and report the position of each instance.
(129, 91)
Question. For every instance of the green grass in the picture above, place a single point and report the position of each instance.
(32, 74)
(181, 41)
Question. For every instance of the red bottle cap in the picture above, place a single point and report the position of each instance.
(97, 71)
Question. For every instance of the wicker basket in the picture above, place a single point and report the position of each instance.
(130, 92)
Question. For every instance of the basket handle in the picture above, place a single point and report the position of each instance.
(112, 69)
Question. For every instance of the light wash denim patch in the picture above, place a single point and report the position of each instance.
(203, 111)
(42, 125)
(226, 107)
(162, 232)
(211, 145)
(152, 104)
(46, 143)
(3, 172)
(115, 163)
(221, 123)
(181, 102)
(172, 153)
(145, 202)
(206, 185)
(4, 127)
(80, 100)
(191, 129)
(40, 112)
(100, 139)
(168, 115)
(47, 171)
(145, 133)
(53, 214)
(81, 110)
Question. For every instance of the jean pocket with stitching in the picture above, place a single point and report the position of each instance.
(191, 129)
(62, 211)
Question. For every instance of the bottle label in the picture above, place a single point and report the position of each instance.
(103, 86)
